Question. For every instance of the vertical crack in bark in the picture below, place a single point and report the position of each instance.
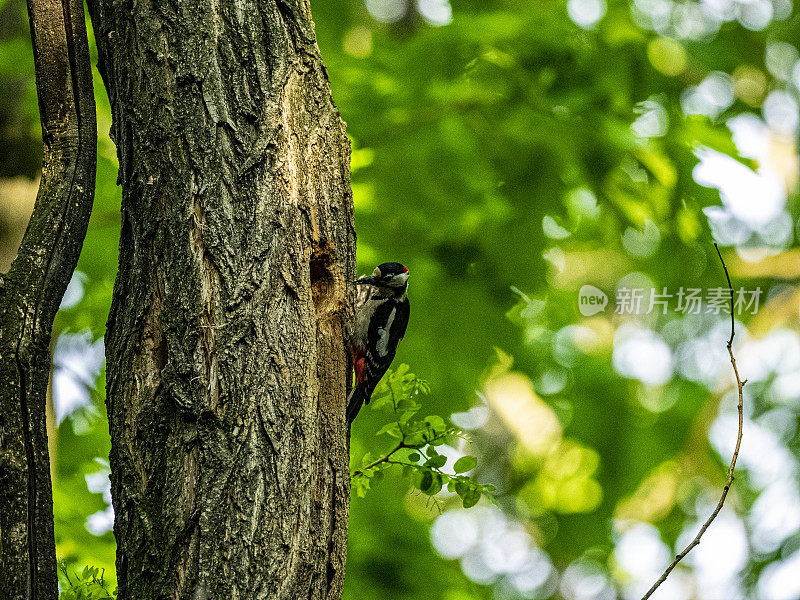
(30, 459)
(74, 67)
(209, 283)
(330, 569)
(291, 153)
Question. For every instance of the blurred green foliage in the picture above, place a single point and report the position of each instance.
(508, 156)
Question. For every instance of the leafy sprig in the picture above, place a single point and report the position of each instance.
(415, 450)
(88, 584)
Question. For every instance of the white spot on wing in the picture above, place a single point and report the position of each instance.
(383, 333)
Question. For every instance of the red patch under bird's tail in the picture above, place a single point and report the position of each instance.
(358, 394)
(359, 364)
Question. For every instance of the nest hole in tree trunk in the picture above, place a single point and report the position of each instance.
(322, 278)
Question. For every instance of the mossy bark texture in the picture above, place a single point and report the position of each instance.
(226, 357)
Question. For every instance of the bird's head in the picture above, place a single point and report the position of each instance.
(387, 275)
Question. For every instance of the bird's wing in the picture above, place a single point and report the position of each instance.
(401, 320)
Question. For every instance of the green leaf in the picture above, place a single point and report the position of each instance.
(366, 460)
(402, 370)
(406, 415)
(436, 462)
(471, 498)
(436, 485)
(381, 399)
(393, 429)
(360, 484)
(414, 457)
(406, 403)
(425, 481)
(415, 440)
(465, 463)
(436, 424)
(461, 487)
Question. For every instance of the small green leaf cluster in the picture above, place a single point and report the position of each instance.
(415, 450)
(88, 584)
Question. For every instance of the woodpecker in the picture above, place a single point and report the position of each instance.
(382, 311)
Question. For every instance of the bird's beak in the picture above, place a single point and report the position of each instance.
(364, 280)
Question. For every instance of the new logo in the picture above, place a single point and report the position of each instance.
(591, 300)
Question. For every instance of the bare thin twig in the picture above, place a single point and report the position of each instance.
(740, 386)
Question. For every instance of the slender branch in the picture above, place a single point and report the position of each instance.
(384, 459)
(740, 386)
(31, 291)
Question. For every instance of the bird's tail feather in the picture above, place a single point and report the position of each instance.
(355, 400)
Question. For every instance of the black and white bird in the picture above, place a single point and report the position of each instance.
(382, 311)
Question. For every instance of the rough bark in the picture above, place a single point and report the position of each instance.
(225, 346)
(31, 291)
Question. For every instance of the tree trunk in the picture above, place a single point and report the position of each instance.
(226, 357)
(31, 292)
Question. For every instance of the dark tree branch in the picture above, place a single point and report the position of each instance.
(31, 292)
(740, 386)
